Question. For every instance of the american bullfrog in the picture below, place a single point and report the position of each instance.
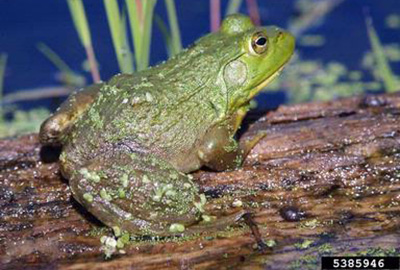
(129, 143)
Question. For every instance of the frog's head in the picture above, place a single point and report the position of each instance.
(257, 55)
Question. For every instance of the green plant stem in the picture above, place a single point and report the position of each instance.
(174, 26)
(385, 72)
(81, 25)
(118, 36)
(233, 7)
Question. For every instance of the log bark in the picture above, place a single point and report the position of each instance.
(324, 181)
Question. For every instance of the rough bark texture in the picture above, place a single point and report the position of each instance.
(325, 180)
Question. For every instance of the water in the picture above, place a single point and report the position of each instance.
(24, 23)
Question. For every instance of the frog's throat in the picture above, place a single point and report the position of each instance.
(264, 83)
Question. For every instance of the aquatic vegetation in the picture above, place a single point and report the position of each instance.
(308, 80)
(384, 71)
(393, 21)
(82, 27)
(118, 31)
(23, 122)
(176, 43)
(68, 76)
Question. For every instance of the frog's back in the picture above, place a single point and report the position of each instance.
(164, 110)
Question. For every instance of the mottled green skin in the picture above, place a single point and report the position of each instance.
(128, 143)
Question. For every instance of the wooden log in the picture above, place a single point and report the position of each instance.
(325, 180)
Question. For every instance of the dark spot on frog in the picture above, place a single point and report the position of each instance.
(292, 213)
(49, 154)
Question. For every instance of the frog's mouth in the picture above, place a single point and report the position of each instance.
(264, 83)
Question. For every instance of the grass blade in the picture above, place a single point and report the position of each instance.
(54, 58)
(69, 77)
(118, 36)
(3, 63)
(174, 26)
(36, 94)
(307, 20)
(79, 18)
(148, 10)
(385, 72)
(136, 21)
(233, 7)
(125, 39)
(81, 25)
(165, 32)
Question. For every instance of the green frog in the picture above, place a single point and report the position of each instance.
(129, 143)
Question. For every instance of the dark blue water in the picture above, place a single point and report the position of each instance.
(24, 23)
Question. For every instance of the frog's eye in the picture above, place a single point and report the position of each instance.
(259, 43)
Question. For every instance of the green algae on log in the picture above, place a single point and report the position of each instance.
(324, 181)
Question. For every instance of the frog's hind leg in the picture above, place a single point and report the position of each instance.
(138, 192)
(57, 124)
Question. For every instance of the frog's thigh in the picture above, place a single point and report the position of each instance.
(74, 106)
(219, 150)
(137, 192)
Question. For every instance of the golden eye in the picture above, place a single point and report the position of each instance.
(259, 43)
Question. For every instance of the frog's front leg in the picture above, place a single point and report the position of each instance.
(220, 151)
(55, 126)
(142, 194)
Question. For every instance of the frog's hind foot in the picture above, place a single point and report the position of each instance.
(58, 124)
